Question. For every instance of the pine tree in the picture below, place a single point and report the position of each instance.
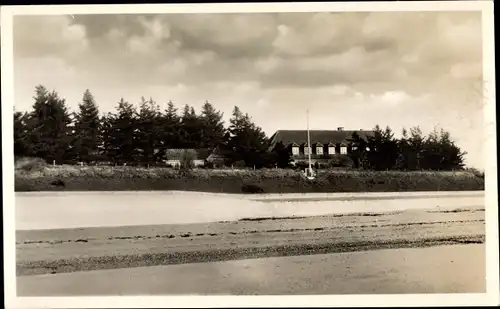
(123, 147)
(191, 128)
(107, 148)
(87, 128)
(170, 126)
(146, 135)
(358, 151)
(49, 126)
(21, 145)
(213, 131)
(247, 140)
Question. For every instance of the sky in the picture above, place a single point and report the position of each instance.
(350, 69)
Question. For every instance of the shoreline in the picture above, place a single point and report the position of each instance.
(79, 249)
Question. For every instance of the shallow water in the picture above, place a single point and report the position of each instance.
(51, 210)
(445, 269)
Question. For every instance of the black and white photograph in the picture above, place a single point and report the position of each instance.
(279, 149)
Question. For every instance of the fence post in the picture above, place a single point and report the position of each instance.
(53, 162)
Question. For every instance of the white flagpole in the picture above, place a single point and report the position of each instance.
(309, 144)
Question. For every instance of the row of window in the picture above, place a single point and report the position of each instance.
(319, 150)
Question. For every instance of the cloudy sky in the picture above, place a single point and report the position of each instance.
(351, 69)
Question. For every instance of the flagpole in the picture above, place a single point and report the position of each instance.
(309, 143)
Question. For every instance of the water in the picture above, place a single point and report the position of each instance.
(52, 210)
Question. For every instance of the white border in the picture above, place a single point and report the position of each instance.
(489, 298)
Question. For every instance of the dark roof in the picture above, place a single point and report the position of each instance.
(288, 137)
(176, 154)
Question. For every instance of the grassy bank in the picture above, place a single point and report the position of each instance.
(75, 178)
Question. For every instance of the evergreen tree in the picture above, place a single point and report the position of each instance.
(358, 151)
(213, 131)
(21, 146)
(404, 151)
(282, 155)
(122, 136)
(170, 126)
(147, 130)
(87, 128)
(107, 149)
(191, 130)
(383, 149)
(247, 140)
(441, 153)
(49, 126)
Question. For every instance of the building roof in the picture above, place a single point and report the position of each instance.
(198, 154)
(288, 137)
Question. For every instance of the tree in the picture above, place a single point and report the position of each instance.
(283, 157)
(191, 130)
(169, 127)
(122, 128)
(87, 128)
(48, 124)
(213, 131)
(147, 139)
(383, 149)
(441, 153)
(247, 140)
(358, 153)
(187, 159)
(374, 145)
(107, 147)
(21, 145)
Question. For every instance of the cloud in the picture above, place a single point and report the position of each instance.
(352, 69)
(406, 50)
(37, 36)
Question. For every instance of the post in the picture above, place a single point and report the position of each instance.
(309, 148)
(53, 162)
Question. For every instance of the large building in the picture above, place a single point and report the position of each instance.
(325, 144)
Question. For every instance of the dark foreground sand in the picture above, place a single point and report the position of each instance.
(70, 250)
(442, 269)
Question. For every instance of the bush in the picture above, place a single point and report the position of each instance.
(187, 159)
(30, 164)
(239, 164)
(96, 178)
(475, 172)
(252, 189)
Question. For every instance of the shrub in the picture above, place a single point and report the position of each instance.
(475, 172)
(251, 189)
(30, 164)
(58, 183)
(346, 161)
(187, 159)
(239, 164)
(230, 180)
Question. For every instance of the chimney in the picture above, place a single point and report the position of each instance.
(340, 129)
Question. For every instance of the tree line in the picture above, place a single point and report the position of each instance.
(140, 134)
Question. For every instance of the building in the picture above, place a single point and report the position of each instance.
(174, 156)
(325, 144)
(219, 156)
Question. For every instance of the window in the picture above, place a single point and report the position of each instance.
(319, 150)
(306, 150)
(343, 150)
(331, 150)
(295, 150)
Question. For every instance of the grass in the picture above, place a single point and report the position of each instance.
(35, 175)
